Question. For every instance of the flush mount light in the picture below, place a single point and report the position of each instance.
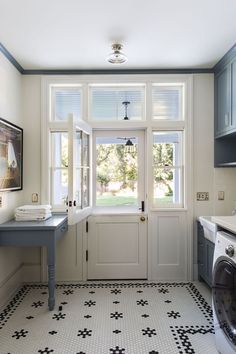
(117, 57)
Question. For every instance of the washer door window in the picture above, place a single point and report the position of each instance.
(224, 297)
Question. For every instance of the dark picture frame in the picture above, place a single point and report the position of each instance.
(11, 156)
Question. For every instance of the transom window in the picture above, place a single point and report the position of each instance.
(167, 102)
(65, 100)
(109, 103)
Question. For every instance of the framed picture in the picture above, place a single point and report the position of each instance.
(11, 156)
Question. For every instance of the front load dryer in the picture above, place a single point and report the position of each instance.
(224, 292)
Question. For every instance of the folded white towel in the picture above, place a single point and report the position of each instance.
(33, 208)
(33, 215)
(32, 218)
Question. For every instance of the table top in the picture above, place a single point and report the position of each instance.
(50, 224)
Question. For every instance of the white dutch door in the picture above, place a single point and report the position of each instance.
(117, 232)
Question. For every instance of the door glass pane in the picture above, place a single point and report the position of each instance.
(78, 188)
(117, 171)
(85, 187)
(78, 148)
(59, 168)
(85, 149)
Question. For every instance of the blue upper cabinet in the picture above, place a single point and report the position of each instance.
(222, 102)
(225, 100)
(233, 93)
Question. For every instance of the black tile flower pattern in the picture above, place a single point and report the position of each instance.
(20, 334)
(116, 315)
(149, 332)
(89, 303)
(85, 333)
(103, 309)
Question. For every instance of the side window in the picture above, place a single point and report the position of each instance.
(168, 169)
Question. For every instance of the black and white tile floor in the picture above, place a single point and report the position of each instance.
(109, 318)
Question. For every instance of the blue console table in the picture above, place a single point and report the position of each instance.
(37, 233)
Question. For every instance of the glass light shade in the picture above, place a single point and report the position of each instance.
(117, 57)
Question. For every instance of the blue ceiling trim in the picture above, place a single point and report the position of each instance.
(11, 58)
(225, 59)
(117, 71)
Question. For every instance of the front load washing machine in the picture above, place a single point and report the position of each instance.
(224, 292)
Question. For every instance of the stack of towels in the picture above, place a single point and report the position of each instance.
(33, 212)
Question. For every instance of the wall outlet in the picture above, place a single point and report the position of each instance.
(221, 195)
(0, 202)
(202, 196)
(35, 197)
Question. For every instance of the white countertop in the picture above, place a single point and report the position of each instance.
(227, 222)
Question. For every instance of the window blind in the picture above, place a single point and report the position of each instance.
(167, 102)
(66, 100)
(106, 103)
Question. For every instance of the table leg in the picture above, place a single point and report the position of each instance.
(51, 287)
(51, 277)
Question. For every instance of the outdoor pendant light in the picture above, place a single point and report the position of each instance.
(126, 103)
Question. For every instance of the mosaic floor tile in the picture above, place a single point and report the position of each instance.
(109, 318)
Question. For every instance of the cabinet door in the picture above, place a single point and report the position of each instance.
(209, 261)
(233, 93)
(201, 251)
(222, 99)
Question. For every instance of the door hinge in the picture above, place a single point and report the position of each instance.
(86, 255)
(86, 226)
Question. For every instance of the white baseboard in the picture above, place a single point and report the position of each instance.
(10, 285)
(31, 272)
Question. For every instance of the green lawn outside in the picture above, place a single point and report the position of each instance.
(108, 200)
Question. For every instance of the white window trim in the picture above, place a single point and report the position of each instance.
(149, 125)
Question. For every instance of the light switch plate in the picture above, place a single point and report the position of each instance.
(202, 196)
(35, 197)
(221, 195)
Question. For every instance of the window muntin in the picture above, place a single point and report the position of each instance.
(168, 169)
(116, 171)
(106, 102)
(167, 102)
(65, 100)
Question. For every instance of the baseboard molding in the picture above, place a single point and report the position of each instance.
(31, 272)
(10, 285)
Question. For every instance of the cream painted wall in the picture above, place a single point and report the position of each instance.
(206, 177)
(10, 109)
(31, 108)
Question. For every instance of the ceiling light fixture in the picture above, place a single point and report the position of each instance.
(117, 57)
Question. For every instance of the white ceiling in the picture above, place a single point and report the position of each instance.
(77, 34)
